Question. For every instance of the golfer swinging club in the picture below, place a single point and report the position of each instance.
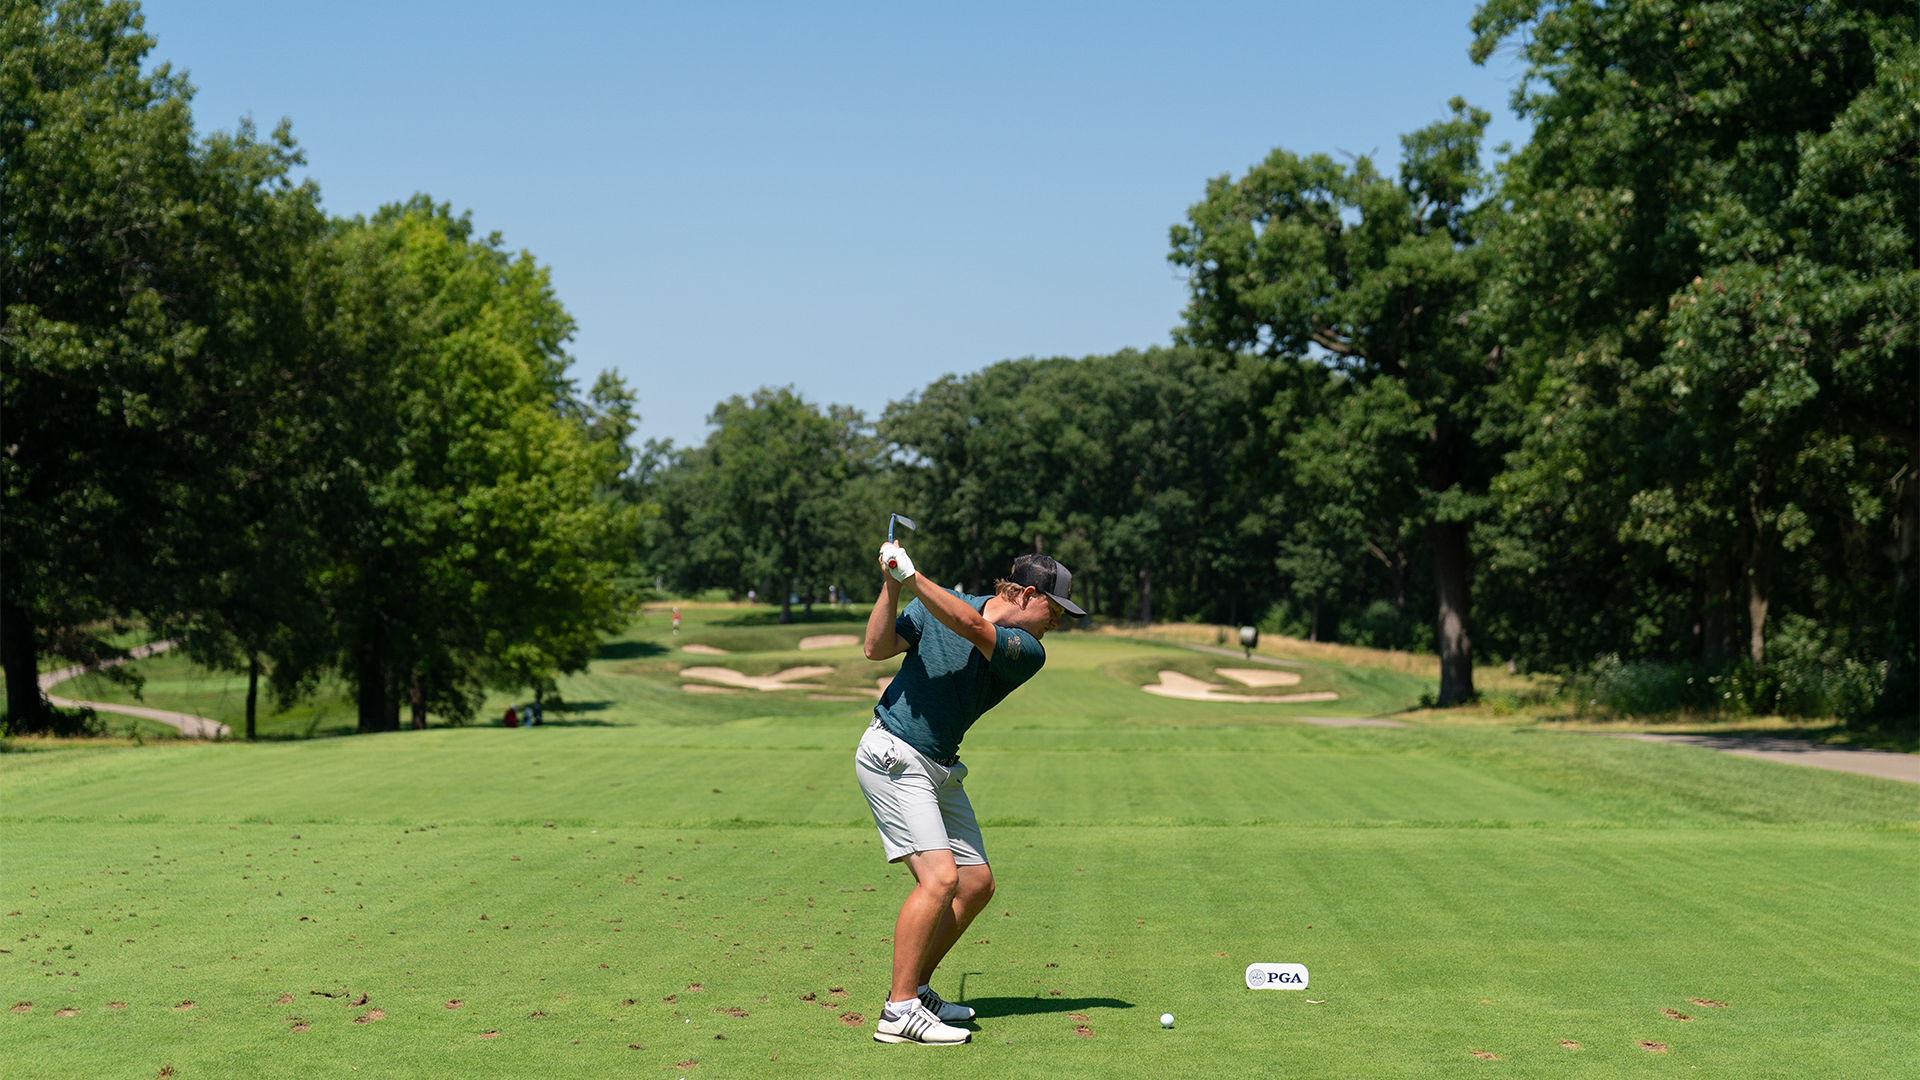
(965, 654)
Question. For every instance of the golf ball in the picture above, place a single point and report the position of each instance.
(1166, 1019)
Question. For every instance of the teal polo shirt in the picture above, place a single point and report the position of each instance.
(945, 684)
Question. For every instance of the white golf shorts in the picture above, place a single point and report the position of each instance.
(918, 804)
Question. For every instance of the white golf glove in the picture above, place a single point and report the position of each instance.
(894, 559)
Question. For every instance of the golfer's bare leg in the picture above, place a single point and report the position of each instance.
(970, 898)
(927, 906)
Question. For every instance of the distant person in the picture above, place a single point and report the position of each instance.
(539, 713)
(833, 595)
(753, 596)
(676, 620)
(513, 717)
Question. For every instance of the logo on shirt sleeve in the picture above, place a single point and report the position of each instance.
(1013, 646)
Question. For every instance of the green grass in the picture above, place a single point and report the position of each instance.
(174, 683)
(1453, 890)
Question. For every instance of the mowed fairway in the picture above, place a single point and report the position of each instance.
(686, 884)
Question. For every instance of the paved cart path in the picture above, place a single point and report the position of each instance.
(193, 727)
(1882, 763)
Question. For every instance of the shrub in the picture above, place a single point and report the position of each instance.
(1806, 676)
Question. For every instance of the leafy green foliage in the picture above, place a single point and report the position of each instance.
(1706, 282)
(471, 545)
(285, 442)
(1643, 393)
(1305, 258)
(783, 498)
(153, 340)
(1127, 468)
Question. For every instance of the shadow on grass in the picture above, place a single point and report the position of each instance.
(1900, 735)
(1897, 736)
(1039, 1006)
(630, 650)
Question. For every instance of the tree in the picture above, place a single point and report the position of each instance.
(1307, 258)
(1708, 292)
(473, 538)
(151, 302)
(1123, 466)
(783, 486)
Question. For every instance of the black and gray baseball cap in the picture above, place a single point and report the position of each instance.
(1041, 572)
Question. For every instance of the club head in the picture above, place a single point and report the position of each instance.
(902, 519)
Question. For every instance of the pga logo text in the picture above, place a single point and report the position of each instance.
(1276, 976)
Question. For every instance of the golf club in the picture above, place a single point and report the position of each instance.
(904, 520)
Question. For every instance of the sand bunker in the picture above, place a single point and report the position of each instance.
(828, 641)
(883, 682)
(779, 680)
(703, 650)
(1175, 685)
(1259, 676)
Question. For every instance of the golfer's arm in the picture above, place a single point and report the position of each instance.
(956, 614)
(883, 642)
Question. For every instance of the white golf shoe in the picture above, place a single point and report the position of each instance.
(919, 1026)
(944, 1009)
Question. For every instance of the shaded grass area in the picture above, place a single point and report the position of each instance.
(657, 868)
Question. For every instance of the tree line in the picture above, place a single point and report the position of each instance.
(294, 443)
(1636, 399)
(1645, 391)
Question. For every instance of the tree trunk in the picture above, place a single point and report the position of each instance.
(1400, 561)
(1452, 575)
(1037, 550)
(1396, 565)
(1759, 594)
(1313, 622)
(371, 671)
(1900, 695)
(1146, 597)
(1759, 566)
(417, 700)
(1716, 625)
(20, 657)
(253, 691)
(1699, 617)
(394, 697)
(786, 595)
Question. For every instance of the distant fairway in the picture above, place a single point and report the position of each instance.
(1453, 891)
(174, 683)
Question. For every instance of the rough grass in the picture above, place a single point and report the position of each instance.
(1455, 891)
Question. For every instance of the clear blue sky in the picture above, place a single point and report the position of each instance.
(852, 198)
